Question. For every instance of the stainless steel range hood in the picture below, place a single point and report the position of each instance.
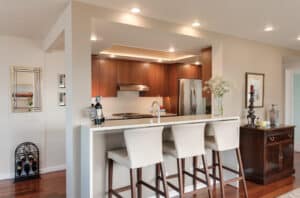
(133, 87)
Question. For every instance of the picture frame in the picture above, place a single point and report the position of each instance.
(61, 80)
(62, 99)
(258, 81)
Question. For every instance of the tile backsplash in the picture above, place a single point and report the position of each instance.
(127, 101)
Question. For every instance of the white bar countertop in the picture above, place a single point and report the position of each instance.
(150, 122)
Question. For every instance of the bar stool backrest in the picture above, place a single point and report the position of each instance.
(189, 139)
(144, 146)
(226, 134)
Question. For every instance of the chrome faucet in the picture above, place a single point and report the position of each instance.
(156, 106)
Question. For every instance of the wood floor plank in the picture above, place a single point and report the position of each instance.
(53, 185)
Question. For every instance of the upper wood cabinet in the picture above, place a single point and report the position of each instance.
(108, 73)
(104, 77)
(162, 79)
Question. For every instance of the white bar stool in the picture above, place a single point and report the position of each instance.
(188, 142)
(225, 136)
(143, 148)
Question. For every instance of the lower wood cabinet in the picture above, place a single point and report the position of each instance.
(268, 154)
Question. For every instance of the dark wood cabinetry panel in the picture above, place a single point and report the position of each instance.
(268, 154)
(206, 62)
(104, 77)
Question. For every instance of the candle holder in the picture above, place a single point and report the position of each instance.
(251, 113)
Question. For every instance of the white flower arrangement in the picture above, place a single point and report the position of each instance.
(217, 86)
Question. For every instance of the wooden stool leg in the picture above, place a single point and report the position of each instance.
(241, 170)
(214, 161)
(183, 169)
(195, 165)
(221, 175)
(139, 178)
(157, 182)
(164, 180)
(132, 183)
(110, 177)
(206, 176)
(180, 178)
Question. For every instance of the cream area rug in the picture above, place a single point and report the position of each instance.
(293, 194)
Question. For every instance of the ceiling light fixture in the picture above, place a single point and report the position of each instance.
(171, 49)
(197, 63)
(298, 38)
(196, 24)
(93, 38)
(135, 10)
(269, 28)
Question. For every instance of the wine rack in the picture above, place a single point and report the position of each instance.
(26, 162)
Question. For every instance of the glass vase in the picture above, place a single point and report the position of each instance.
(218, 106)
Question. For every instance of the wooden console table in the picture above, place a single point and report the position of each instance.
(267, 153)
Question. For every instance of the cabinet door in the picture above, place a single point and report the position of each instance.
(104, 78)
(273, 159)
(156, 79)
(287, 155)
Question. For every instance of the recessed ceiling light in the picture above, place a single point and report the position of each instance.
(93, 38)
(298, 38)
(171, 49)
(112, 56)
(269, 28)
(135, 10)
(196, 24)
(197, 63)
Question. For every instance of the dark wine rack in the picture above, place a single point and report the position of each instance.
(26, 162)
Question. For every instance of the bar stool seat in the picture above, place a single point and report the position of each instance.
(224, 136)
(120, 156)
(143, 148)
(188, 142)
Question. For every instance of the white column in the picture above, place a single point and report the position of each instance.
(78, 82)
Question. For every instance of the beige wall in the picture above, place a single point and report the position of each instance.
(45, 128)
(241, 56)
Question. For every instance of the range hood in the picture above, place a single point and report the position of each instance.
(133, 87)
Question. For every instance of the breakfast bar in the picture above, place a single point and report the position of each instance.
(96, 140)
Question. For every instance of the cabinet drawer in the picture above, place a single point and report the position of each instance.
(279, 137)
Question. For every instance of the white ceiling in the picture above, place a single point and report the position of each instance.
(242, 18)
(109, 34)
(29, 18)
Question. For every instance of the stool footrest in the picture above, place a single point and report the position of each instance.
(116, 193)
(151, 187)
(195, 177)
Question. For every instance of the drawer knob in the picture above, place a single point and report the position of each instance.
(272, 138)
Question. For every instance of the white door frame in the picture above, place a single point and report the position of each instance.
(289, 97)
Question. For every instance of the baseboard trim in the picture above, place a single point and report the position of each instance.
(42, 171)
(297, 148)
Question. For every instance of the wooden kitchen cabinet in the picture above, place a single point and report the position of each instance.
(104, 77)
(268, 154)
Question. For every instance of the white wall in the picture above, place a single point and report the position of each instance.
(241, 56)
(19, 127)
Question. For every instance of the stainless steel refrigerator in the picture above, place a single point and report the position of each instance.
(190, 99)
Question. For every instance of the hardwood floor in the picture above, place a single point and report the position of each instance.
(52, 185)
